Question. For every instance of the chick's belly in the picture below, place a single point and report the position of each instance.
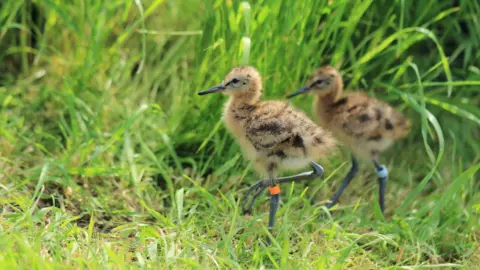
(365, 148)
(294, 163)
(282, 165)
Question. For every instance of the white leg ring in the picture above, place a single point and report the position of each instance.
(382, 171)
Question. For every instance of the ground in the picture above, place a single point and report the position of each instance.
(109, 159)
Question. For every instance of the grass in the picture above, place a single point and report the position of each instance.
(109, 159)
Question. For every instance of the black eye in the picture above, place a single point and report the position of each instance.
(317, 82)
(235, 81)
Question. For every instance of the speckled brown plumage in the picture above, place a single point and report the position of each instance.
(273, 134)
(369, 126)
(365, 124)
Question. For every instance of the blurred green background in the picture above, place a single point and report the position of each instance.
(108, 158)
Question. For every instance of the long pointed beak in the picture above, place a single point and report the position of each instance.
(302, 90)
(216, 88)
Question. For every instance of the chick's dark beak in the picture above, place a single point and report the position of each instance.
(216, 88)
(302, 90)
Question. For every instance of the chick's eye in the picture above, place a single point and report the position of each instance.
(235, 81)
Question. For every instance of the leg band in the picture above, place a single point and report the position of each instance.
(274, 190)
(382, 171)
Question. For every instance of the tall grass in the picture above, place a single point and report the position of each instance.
(109, 159)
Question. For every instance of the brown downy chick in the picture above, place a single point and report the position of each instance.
(272, 134)
(365, 124)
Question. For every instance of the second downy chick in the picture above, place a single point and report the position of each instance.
(365, 124)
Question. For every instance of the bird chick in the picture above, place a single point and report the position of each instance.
(365, 124)
(272, 134)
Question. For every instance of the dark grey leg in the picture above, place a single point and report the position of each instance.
(274, 204)
(262, 184)
(259, 186)
(382, 173)
(254, 198)
(351, 174)
(272, 184)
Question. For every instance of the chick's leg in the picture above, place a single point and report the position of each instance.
(382, 173)
(261, 185)
(351, 174)
(274, 205)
